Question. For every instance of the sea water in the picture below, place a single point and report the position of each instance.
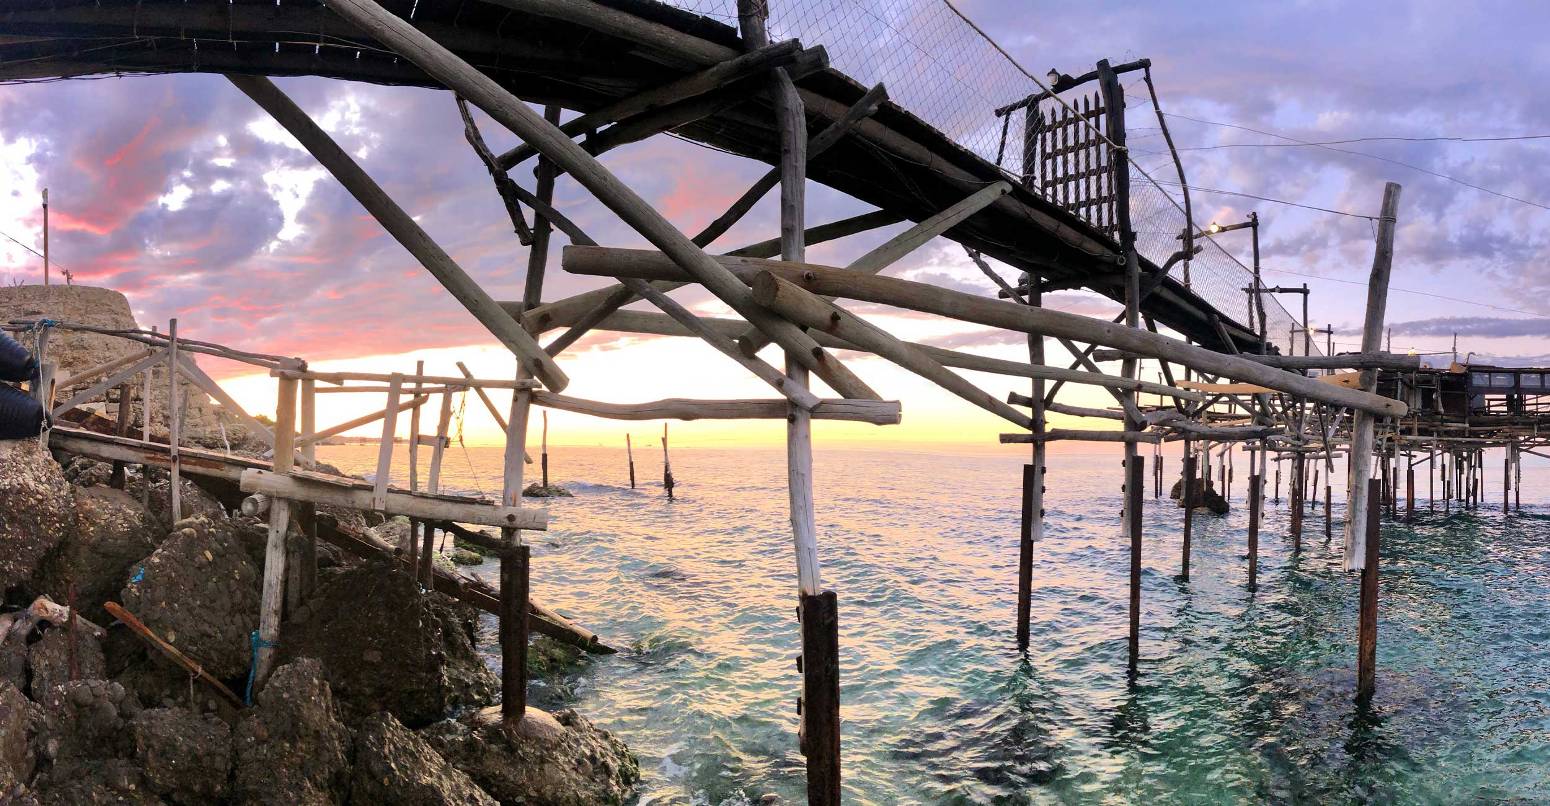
(1240, 696)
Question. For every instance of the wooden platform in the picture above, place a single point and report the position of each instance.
(898, 162)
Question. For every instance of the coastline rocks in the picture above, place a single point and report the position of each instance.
(37, 509)
(186, 757)
(559, 760)
(536, 490)
(200, 593)
(393, 765)
(113, 533)
(386, 646)
(49, 659)
(17, 714)
(84, 746)
(291, 747)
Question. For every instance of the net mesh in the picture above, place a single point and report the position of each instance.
(936, 65)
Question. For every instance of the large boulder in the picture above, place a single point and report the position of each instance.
(393, 765)
(49, 659)
(186, 757)
(559, 760)
(85, 747)
(387, 646)
(37, 509)
(17, 715)
(113, 533)
(291, 747)
(1204, 496)
(200, 592)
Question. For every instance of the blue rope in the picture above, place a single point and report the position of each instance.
(258, 643)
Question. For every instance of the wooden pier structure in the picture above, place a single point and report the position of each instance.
(1056, 198)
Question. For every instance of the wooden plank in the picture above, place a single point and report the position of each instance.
(273, 597)
(302, 487)
(384, 377)
(877, 412)
(402, 226)
(1074, 435)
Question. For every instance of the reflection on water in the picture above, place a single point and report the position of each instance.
(1241, 695)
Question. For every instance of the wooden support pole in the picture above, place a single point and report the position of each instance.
(1363, 422)
(820, 706)
(279, 525)
(1506, 480)
(1188, 501)
(126, 396)
(174, 424)
(1031, 481)
(145, 431)
(399, 223)
(515, 587)
(1255, 504)
(1295, 498)
(433, 485)
(1409, 490)
(629, 454)
(385, 449)
(667, 467)
(543, 456)
(1134, 498)
(1367, 613)
(309, 420)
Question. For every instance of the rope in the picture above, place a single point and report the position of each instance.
(257, 644)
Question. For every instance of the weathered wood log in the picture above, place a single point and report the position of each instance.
(364, 419)
(272, 597)
(402, 38)
(93, 373)
(1077, 435)
(812, 311)
(109, 382)
(422, 507)
(193, 667)
(402, 226)
(46, 609)
(1359, 463)
(387, 377)
(876, 412)
(649, 265)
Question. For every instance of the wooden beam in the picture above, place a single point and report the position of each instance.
(273, 597)
(300, 487)
(1069, 434)
(401, 226)
(812, 311)
(440, 63)
(876, 412)
(364, 419)
(389, 377)
(711, 78)
(378, 500)
(1359, 461)
(926, 298)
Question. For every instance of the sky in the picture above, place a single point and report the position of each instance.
(180, 193)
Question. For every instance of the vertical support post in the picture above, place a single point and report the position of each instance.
(433, 484)
(1431, 478)
(1506, 479)
(1409, 488)
(379, 485)
(1359, 458)
(1295, 496)
(820, 665)
(1025, 555)
(145, 432)
(513, 608)
(1188, 501)
(1329, 518)
(1033, 480)
(126, 396)
(413, 549)
(301, 565)
(45, 241)
(1254, 507)
(309, 419)
(1277, 498)
(174, 424)
(1367, 613)
(1517, 472)
(629, 453)
(667, 466)
(1134, 498)
(279, 525)
(543, 456)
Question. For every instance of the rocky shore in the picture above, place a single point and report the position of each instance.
(379, 695)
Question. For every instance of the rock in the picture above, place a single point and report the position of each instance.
(13, 660)
(393, 765)
(113, 534)
(82, 782)
(550, 761)
(536, 490)
(37, 509)
(291, 747)
(466, 557)
(85, 720)
(17, 715)
(1207, 498)
(49, 659)
(185, 757)
(200, 592)
(386, 646)
(86, 472)
(193, 500)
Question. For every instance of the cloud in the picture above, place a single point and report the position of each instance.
(1475, 326)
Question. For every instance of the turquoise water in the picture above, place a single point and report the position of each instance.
(1241, 695)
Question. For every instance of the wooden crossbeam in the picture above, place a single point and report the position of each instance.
(876, 412)
(309, 487)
